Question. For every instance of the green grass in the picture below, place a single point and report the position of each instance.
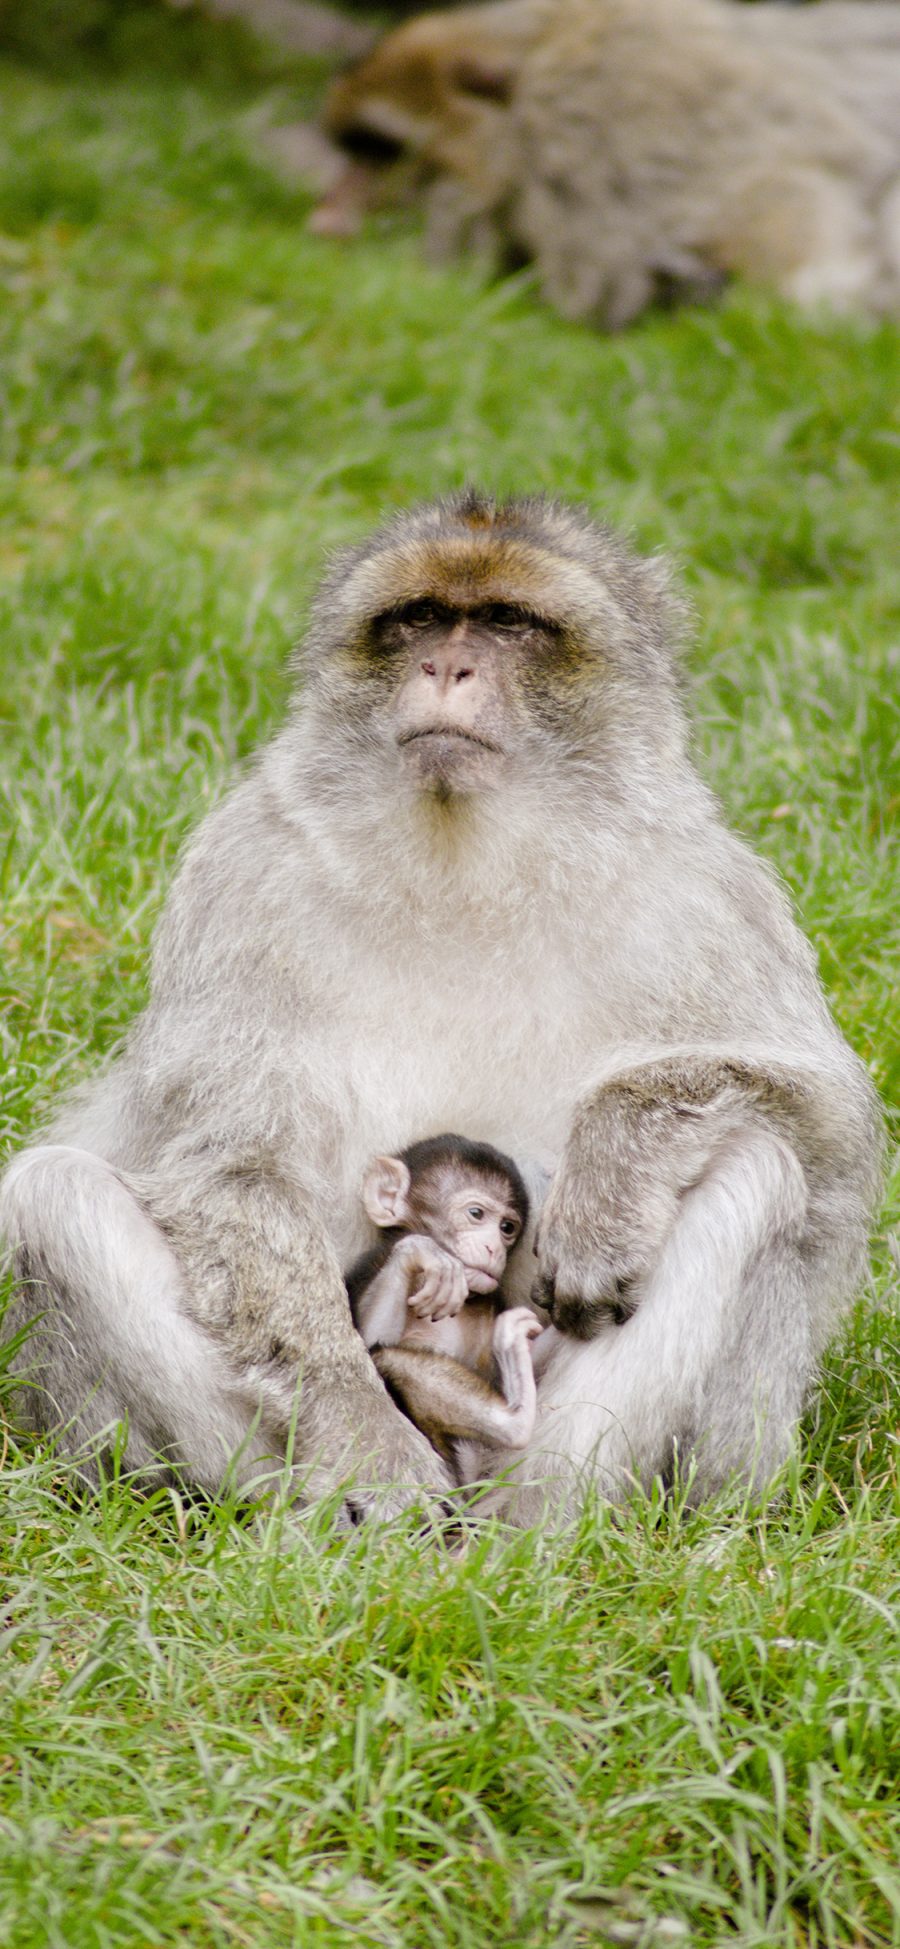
(667, 1727)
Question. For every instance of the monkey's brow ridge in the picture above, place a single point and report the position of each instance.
(477, 608)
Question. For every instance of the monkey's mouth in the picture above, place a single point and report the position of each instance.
(480, 1280)
(447, 731)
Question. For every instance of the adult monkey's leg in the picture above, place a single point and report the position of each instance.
(118, 1337)
(721, 1208)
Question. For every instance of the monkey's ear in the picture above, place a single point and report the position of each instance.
(477, 75)
(386, 1191)
(667, 604)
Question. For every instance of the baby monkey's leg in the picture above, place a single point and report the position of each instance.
(450, 1403)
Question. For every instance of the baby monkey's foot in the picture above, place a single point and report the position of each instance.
(513, 1332)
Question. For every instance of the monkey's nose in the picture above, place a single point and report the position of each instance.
(543, 1293)
(448, 673)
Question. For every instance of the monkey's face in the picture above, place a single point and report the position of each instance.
(476, 1211)
(381, 115)
(476, 644)
(377, 169)
(482, 1228)
(456, 680)
(457, 708)
(415, 104)
(474, 1218)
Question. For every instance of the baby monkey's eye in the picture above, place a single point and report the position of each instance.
(509, 1228)
(476, 1212)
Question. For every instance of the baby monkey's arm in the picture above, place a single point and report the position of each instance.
(418, 1277)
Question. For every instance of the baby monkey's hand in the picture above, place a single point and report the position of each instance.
(437, 1283)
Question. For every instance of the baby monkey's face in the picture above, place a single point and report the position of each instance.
(480, 1225)
(475, 1208)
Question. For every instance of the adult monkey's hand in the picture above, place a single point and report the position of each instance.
(642, 1143)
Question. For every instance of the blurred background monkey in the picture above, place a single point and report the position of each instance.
(450, 1212)
(636, 149)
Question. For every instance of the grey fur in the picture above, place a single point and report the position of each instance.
(575, 959)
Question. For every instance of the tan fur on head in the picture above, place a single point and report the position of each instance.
(428, 73)
(474, 570)
(469, 548)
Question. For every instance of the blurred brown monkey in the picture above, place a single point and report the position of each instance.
(629, 148)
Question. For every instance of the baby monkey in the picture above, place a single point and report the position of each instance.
(461, 1368)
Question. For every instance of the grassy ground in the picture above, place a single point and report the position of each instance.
(667, 1728)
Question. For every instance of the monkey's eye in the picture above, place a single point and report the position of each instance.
(505, 615)
(509, 1228)
(476, 1212)
(369, 145)
(423, 614)
(509, 616)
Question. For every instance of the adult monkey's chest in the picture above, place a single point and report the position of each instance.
(463, 1073)
(490, 1048)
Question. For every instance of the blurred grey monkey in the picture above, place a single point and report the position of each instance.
(634, 148)
(474, 884)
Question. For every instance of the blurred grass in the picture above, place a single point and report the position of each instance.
(162, 38)
(206, 1737)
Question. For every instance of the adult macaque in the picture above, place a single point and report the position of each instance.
(450, 1212)
(474, 884)
(632, 149)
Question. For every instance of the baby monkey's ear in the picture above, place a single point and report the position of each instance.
(386, 1191)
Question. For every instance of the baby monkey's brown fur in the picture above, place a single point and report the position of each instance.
(450, 1212)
